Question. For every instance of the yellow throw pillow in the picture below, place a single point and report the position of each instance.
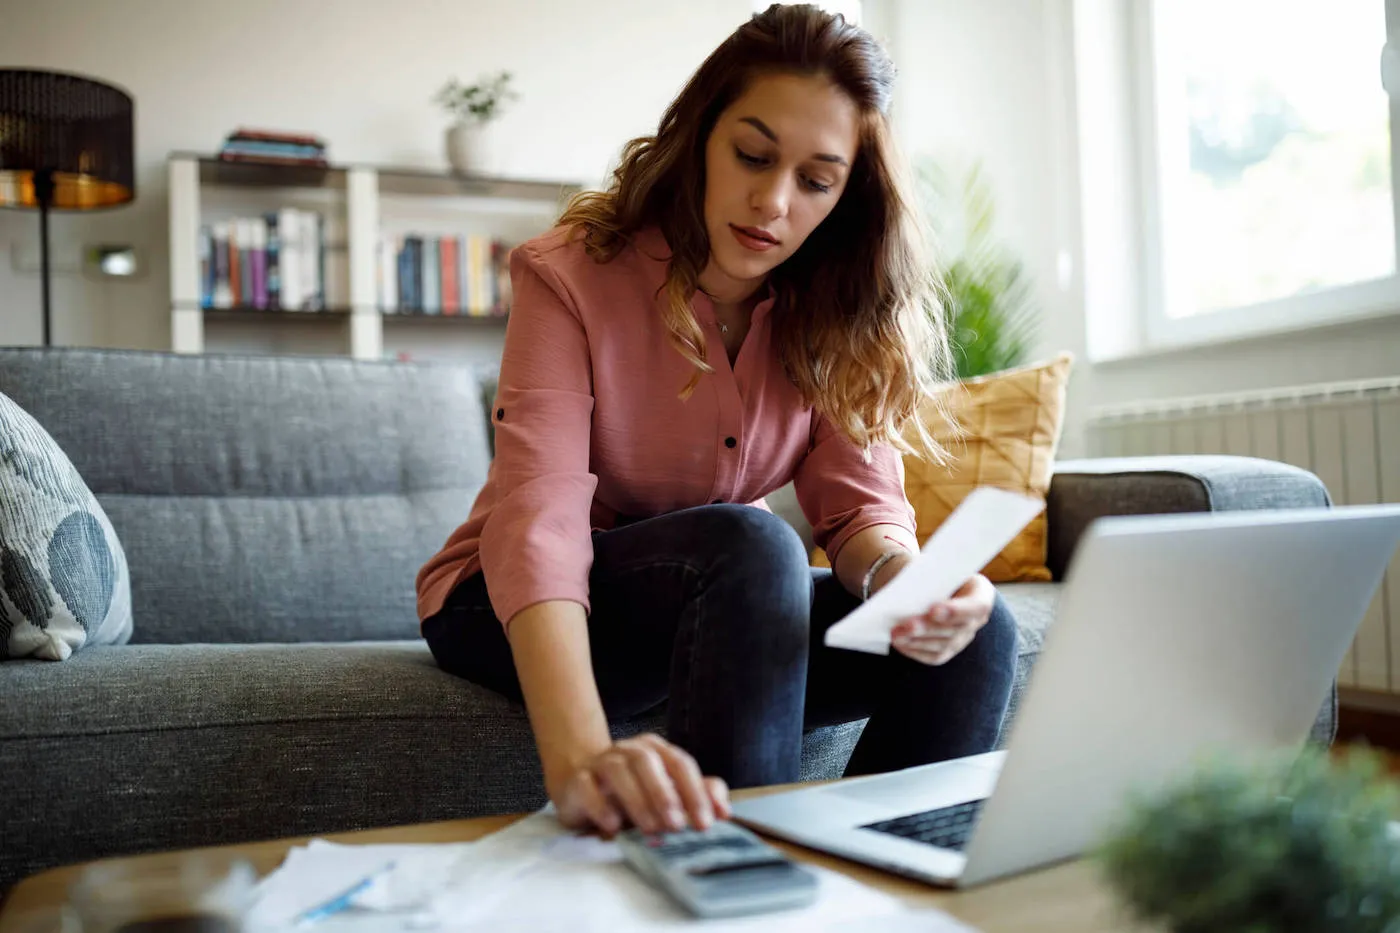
(1011, 423)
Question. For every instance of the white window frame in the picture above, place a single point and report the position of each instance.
(1342, 304)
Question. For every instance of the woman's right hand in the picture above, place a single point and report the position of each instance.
(643, 781)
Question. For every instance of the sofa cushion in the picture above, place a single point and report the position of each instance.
(1008, 429)
(1033, 605)
(189, 745)
(265, 498)
(1084, 490)
(63, 576)
(1001, 429)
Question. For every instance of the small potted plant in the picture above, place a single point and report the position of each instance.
(1295, 844)
(472, 107)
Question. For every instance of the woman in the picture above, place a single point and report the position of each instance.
(747, 305)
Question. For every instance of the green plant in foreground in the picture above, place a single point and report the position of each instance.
(1295, 844)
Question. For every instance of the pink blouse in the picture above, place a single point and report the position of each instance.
(590, 428)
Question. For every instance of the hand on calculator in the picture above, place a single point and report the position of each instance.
(644, 782)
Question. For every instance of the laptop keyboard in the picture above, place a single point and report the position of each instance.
(946, 827)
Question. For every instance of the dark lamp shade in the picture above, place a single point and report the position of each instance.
(81, 130)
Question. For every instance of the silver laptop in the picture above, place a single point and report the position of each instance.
(1176, 636)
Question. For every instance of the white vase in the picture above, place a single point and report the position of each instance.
(466, 148)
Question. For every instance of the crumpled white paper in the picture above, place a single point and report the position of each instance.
(532, 876)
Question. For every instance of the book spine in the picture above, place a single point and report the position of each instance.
(235, 265)
(245, 262)
(259, 254)
(274, 275)
(451, 294)
(258, 147)
(415, 276)
(223, 293)
(289, 230)
(473, 286)
(396, 271)
(479, 284)
(308, 260)
(206, 267)
(309, 285)
(432, 275)
(415, 269)
(249, 133)
(304, 257)
(405, 277)
(464, 278)
(321, 303)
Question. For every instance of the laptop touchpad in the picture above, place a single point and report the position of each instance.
(922, 788)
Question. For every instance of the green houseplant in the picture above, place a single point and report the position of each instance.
(1296, 844)
(991, 312)
(472, 107)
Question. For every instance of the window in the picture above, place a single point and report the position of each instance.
(1267, 165)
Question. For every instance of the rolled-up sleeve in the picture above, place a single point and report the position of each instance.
(537, 543)
(842, 494)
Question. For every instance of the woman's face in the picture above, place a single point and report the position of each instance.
(775, 166)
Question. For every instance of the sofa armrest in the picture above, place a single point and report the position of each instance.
(1083, 490)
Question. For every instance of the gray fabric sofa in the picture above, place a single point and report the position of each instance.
(274, 512)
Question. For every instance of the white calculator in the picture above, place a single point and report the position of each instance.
(725, 871)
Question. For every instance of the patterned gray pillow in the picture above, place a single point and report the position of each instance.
(64, 582)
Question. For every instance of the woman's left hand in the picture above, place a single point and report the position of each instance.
(948, 627)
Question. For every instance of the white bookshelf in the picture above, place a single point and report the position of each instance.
(360, 203)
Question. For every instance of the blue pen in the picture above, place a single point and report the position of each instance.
(341, 902)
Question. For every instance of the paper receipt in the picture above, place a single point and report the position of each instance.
(986, 521)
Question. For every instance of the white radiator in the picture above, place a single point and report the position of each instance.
(1346, 433)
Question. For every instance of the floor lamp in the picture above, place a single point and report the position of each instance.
(67, 143)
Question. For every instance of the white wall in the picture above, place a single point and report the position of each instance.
(359, 73)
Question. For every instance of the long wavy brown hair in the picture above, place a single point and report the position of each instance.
(858, 318)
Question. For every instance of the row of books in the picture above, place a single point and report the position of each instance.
(275, 261)
(433, 274)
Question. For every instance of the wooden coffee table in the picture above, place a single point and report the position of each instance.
(1065, 897)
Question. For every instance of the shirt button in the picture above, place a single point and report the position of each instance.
(731, 443)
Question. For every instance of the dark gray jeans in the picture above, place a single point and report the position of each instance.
(715, 610)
